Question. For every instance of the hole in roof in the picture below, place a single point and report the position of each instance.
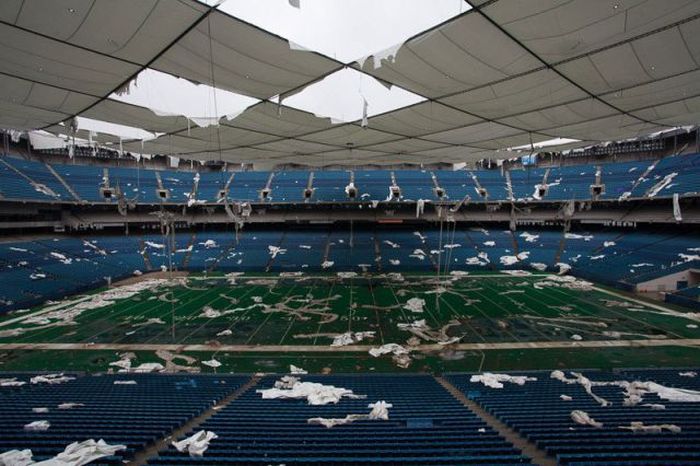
(342, 29)
(122, 131)
(340, 97)
(547, 143)
(165, 94)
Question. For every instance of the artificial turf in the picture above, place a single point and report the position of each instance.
(481, 308)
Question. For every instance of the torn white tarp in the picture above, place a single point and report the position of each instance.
(314, 393)
(380, 411)
(496, 380)
(11, 382)
(677, 208)
(210, 313)
(420, 329)
(146, 368)
(274, 251)
(37, 426)
(420, 207)
(415, 305)
(294, 370)
(528, 237)
(400, 355)
(81, 453)
(580, 379)
(664, 183)
(634, 391)
(69, 405)
(638, 426)
(212, 363)
(392, 348)
(348, 338)
(51, 379)
(196, 444)
(582, 417)
(16, 458)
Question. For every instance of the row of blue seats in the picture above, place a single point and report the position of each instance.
(426, 426)
(537, 410)
(134, 415)
(671, 175)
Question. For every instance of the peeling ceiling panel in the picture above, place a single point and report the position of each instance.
(424, 118)
(21, 117)
(295, 147)
(23, 92)
(127, 114)
(605, 129)
(38, 59)
(667, 90)
(503, 143)
(464, 53)
(682, 112)
(647, 59)
(226, 136)
(525, 93)
(132, 30)
(229, 54)
(170, 145)
(473, 133)
(240, 155)
(407, 145)
(349, 136)
(452, 153)
(280, 120)
(567, 114)
(558, 30)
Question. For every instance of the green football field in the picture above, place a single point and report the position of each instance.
(263, 323)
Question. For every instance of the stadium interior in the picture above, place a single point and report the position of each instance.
(342, 232)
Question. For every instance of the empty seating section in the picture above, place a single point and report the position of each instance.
(289, 186)
(493, 182)
(373, 184)
(570, 182)
(300, 251)
(210, 183)
(415, 184)
(13, 186)
(67, 265)
(564, 183)
(523, 182)
(329, 186)
(246, 186)
(426, 426)
(86, 181)
(537, 411)
(38, 172)
(135, 184)
(355, 252)
(133, 415)
(457, 184)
